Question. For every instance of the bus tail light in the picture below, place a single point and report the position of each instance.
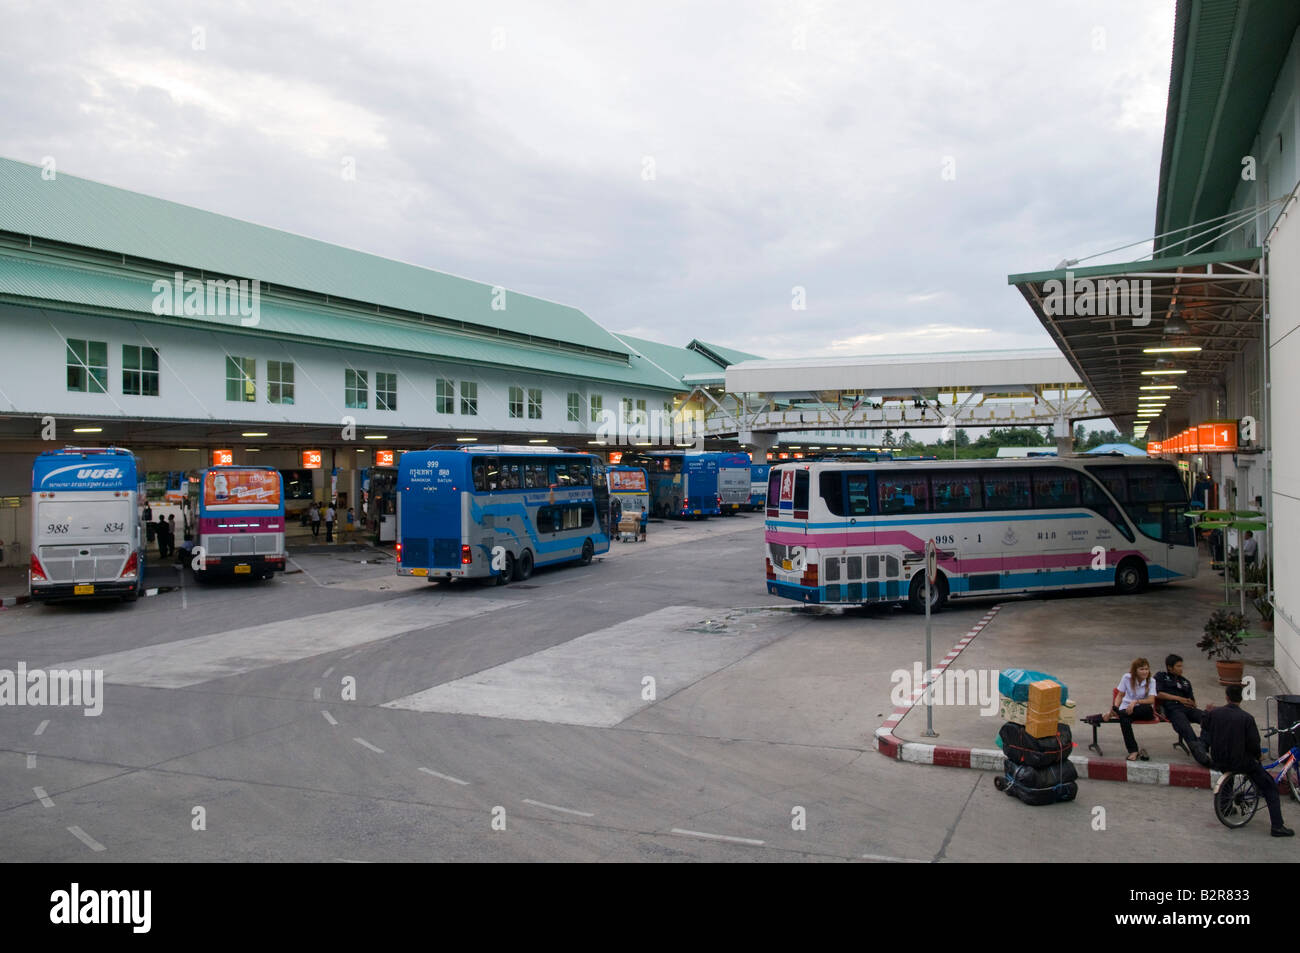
(399, 553)
(767, 563)
(37, 570)
(132, 566)
(465, 556)
(809, 577)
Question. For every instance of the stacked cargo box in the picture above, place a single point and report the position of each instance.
(1035, 738)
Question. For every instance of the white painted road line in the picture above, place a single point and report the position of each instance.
(315, 693)
(86, 839)
(31, 759)
(445, 777)
(189, 662)
(307, 574)
(326, 673)
(329, 718)
(595, 679)
(40, 729)
(552, 807)
(723, 837)
(885, 859)
(366, 744)
(43, 797)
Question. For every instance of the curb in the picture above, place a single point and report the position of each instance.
(8, 601)
(990, 759)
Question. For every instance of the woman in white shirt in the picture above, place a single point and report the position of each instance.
(1139, 691)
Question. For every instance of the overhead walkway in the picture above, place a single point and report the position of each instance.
(1015, 388)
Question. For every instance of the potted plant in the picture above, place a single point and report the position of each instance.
(1265, 610)
(1222, 640)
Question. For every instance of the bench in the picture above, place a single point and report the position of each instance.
(1100, 719)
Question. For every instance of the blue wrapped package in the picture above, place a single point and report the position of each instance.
(1014, 684)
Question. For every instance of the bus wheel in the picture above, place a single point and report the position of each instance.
(524, 567)
(916, 593)
(508, 573)
(1130, 576)
(588, 550)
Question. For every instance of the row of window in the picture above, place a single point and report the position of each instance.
(525, 473)
(555, 519)
(87, 367)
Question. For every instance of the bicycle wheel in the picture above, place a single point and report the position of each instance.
(1236, 800)
(1293, 779)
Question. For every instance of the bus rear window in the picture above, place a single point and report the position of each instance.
(801, 490)
(773, 491)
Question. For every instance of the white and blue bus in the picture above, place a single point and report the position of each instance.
(758, 486)
(734, 477)
(855, 533)
(87, 540)
(498, 512)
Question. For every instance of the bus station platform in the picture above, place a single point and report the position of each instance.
(1087, 641)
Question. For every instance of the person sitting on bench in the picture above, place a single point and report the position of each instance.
(1179, 705)
(1138, 703)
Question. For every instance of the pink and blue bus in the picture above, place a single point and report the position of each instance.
(496, 513)
(240, 530)
(855, 532)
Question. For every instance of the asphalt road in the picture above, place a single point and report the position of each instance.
(340, 713)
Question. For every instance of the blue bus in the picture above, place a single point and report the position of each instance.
(758, 485)
(87, 539)
(683, 483)
(497, 512)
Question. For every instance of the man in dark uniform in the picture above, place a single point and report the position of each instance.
(1233, 738)
(1179, 706)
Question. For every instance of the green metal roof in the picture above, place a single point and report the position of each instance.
(1168, 264)
(1226, 59)
(722, 356)
(677, 361)
(27, 280)
(87, 214)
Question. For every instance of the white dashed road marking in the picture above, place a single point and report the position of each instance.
(43, 797)
(366, 744)
(445, 777)
(86, 839)
(40, 729)
(330, 718)
(723, 837)
(552, 807)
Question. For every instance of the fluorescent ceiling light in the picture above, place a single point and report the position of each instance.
(1162, 373)
(466, 439)
(1158, 387)
(376, 436)
(88, 430)
(1170, 350)
(253, 434)
(543, 440)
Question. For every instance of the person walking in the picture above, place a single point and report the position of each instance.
(329, 523)
(314, 515)
(1233, 738)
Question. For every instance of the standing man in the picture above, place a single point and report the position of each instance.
(615, 515)
(329, 523)
(161, 534)
(1233, 738)
(147, 516)
(314, 516)
(1250, 549)
(1180, 706)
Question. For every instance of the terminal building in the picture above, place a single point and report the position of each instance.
(1212, 374)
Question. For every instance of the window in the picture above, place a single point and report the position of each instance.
(511, 475)
(139, 370)
(516, 401)
(1153, 497)
(356, 389)
(446, 396)
(554, 519)
(830, 483)
(801, 490)
(901, 492)
(385, 391)
(1006, 490)
(534, 403)
(241, 378)
(642, 417)
(597, 408)
(627, 410)
(279, 382)
(1096, 500)
(1054, 489)
(859, 494)
(469, 398)
(575, 407)
(535, 476)
(955, 492)
(88, 366)
(486, 472)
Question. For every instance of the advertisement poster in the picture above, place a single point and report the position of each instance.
(626, 481)
(241, 488)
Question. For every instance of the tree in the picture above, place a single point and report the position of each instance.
(889, 439)
(1080, 435)
(963, 438)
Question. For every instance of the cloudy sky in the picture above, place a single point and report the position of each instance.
(675, 170)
